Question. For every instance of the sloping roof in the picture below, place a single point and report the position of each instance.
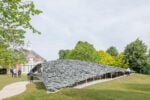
(36, 68)
(63, 73)
(32, 54)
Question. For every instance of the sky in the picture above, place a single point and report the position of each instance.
(103, 23)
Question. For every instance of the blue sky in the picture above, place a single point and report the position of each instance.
(103, 23)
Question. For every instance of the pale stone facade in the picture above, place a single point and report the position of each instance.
(32, 59)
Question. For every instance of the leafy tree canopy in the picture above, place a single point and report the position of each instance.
(63, 54)
(15, 17)
(120, 61)
(135, 55)
(106, 58)
(112, 51)
(146, 66)
(83, 51)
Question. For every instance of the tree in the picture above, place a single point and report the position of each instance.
(15, 17)
(146, 67)
(105, 58)
(9, 57)
(63, 54)
(4, 54)
(135, 55)
(112, 51)
(120, 61)
(84, 51)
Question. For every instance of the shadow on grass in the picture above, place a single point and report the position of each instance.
(40, 86)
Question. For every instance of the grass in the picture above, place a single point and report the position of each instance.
(7, 79)
(133, 87)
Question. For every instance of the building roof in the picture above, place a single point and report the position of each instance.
(58, 74)
(30, 54)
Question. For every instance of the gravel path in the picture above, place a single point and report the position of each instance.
(13, 89)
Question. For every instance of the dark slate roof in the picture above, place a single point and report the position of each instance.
(63, 73)
(37, 68)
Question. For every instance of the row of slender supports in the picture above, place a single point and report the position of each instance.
(99, 77)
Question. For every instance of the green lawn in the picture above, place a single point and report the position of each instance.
(134, 87)
(7, 79)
